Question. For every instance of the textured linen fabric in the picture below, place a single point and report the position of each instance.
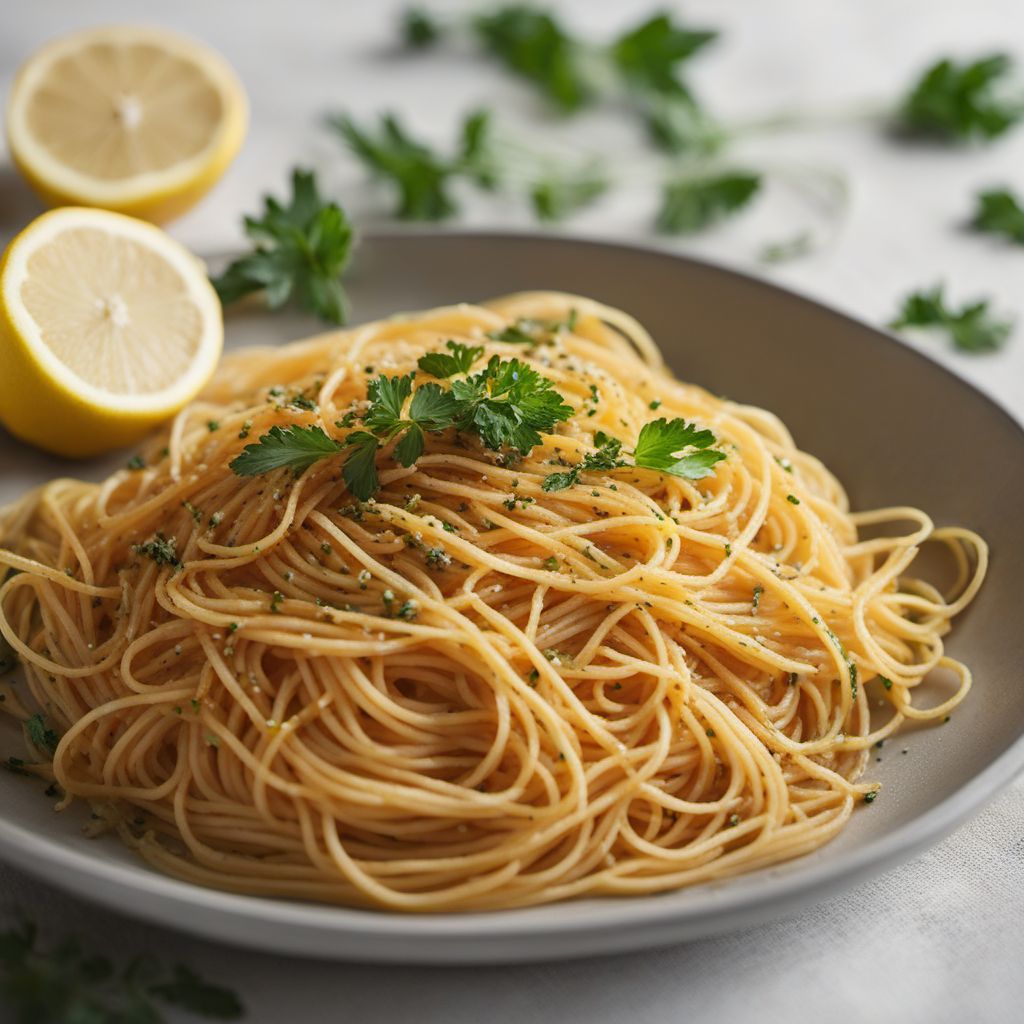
(938, 939)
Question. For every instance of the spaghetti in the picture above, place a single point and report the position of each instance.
(468, 691)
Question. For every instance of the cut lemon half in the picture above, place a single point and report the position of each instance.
(138, 120)
(107, 327)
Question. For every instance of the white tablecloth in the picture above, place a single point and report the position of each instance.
(941, 939)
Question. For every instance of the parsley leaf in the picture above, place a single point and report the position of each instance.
(419, 28)
(301, 250)
(661, 441)
(360, 469)
(189, 991)
(1000, 213)
(530, 42)
(692, 204)
(293, 447)
(421, 176)
(972, 328)
(477, 159)
(649, 54)
(442, 365)
(40, 735)
(958, 102)
(433, 408)
(387, 397)
(559, 193)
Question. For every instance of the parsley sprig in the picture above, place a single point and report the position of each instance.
(66, 985)
(300, 252)
(959, 102)
(422, 177)
(673, 447)
(507, 404)
(973, 327)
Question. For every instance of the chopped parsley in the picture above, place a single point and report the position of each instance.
(161, 549)
(530, 331)
(40, 735)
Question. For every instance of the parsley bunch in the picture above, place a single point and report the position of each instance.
(300, 252)
(507, 404)
(66, 985)
(959, 102)
(673, 447)
(972, 328)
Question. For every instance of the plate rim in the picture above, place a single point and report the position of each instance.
(597, 924)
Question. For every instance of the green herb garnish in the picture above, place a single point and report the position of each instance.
(659, 447)
(421, 177)
(507, 405)
(973, 327)
(959, 102)
(530, 331)
(1000, 213)
(161, 549)
(419, 29)
(560, 192)
(660, 443)
(300, 252)
(66, 985)
(532, 43)
(444, 365)
(40, 735)
(692, 204)
(293, 447)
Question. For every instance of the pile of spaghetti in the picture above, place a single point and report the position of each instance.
(474, 687)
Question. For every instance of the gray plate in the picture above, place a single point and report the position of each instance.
(895, 427)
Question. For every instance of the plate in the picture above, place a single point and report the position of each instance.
(896, 429)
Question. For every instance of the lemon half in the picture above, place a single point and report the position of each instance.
(138, 120)
(107, 327)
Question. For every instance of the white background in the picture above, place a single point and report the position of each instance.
(938, 940)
